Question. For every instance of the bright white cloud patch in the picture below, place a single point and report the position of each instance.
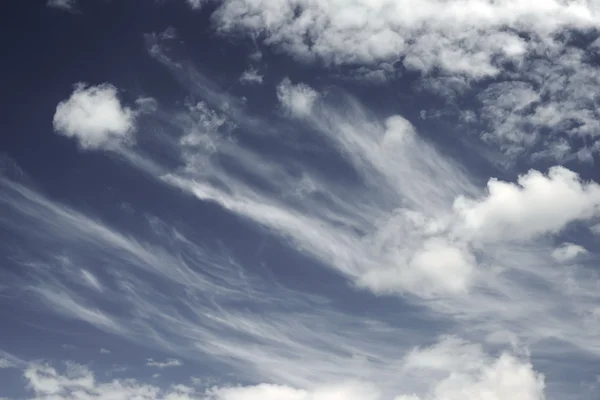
(296, 99)
(536, 205)
(470, 374)
(460, 38)
(5, 363)
(545, 80)
(95, 117)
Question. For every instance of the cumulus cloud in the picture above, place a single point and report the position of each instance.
(530, 51)
(462, 372)
(95, 117)
(522, 210)
(296, 99)
(471, 39)
(471, 374)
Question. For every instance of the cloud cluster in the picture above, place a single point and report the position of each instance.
(402, 218)
(95, 117)
(66, 5)
(522, 211)
(474, 38)
(454, 369)
(540, 56)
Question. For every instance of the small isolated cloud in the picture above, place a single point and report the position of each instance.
(168, 363)
(95, 117)
(104, 351)
(66, 5)
(196, 4)
(296, 99)
(522, 210)
(251, 76)
(567, 252)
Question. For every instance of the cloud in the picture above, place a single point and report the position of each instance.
(521, 211)
(473, 39)
(471, 374)
(567, 252)
(95, 117)
(66, 5)
(168, 363)
(296, 99)
(251, 76)
(104, 351)
(6, 363)
(463, 372)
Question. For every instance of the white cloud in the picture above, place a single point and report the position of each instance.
(95, 117)
(465, 372)
(524, 210)
(296, 99)
(460, 38)
(251, 76)
(168, 363)
(470, 374)
(529, 50)
(66, 5)
(567, 252)
(104, 351)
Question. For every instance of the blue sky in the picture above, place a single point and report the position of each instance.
(300, 200)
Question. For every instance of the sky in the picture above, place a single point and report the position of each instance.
(300, 200)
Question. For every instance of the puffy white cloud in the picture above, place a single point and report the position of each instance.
(347, 391)
(470, 38)
(536, 205)
(95, 117)
(470, 374)
(451, 369)
(527, 48)
(296, 99)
